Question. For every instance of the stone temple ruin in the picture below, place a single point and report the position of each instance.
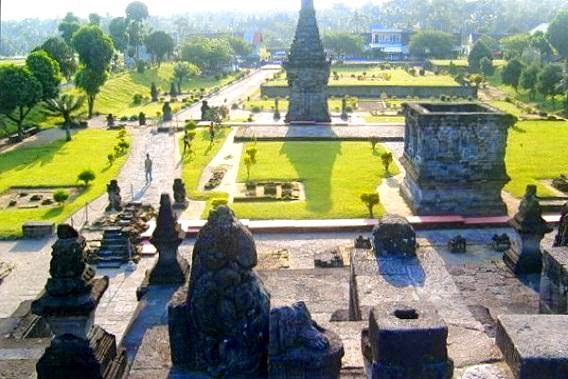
(454, 157)
(308, 71)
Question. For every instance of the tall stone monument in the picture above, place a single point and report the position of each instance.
(308, 71)
(454, 158)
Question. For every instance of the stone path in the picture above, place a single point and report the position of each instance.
(389, 189)
(387, 133)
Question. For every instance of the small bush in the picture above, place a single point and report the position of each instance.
(217, 202)
(111, 158)
(256, 109)
(134, 117)
(87, 176)
(124, 118)
(370, 200)
(60, 197)
(137, 99)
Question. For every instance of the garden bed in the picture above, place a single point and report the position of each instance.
(35, 198)
(270, 191)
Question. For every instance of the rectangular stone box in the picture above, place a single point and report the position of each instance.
(534, 346)
(554, 279)
(408, 340)
(38, 230)
(454, 158)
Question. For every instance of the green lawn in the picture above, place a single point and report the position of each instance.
(536, 150)
(462, 62)
(348, 76)
(384, 119)
(194, 164)
(268, 105)
(57, 165)
(335, 174)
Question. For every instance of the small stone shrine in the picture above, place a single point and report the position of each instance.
(408, 342)
(180, 195)
(170, 269)
(525, 256)
(562, 235)
(79, 349)
(114, 199)
(394, 236)
(221, 323)
(457, 245)
(454, 158)
(299, 348)
(308, 70)
(205, 108)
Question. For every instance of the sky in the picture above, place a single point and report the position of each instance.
(49, 9)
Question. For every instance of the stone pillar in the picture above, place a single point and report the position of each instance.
(78, 349)
(408, 342)
(299, 348)
(114, 198)
(171, 269)
(525, 256)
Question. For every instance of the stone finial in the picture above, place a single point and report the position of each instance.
(529, 217)
(180, 194)
(114, 198)
(307, 4)
(562, 236)
(167, 227)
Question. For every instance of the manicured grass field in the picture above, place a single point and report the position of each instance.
(194, 164)
(57, 165)
(348, 76)
(268, 105)
(536, 151)
(335, 174)
(462, 62)
(384, 119)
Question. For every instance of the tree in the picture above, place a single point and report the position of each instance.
(173, 90)
(557, 32)
(539, 42)
(118, 30)
(46, 71)
(67, 107)
(154, 92)
(160, 44)
(486, 67)
(86, 176)
(68, 26)
(478, 51)
(343, 44)
(94, 19)
(240, 47)
(548, 80)
(62, 53)
(387, 159)
(136, 12)
(371, 200)
(529, 79)
(431, 44)
(476, 80)
(95, 53)
(511, 73)
(514, 46)
(60, 197)
(210, 55)
(183, 71)
(21, 91)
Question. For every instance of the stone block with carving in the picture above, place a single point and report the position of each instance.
(394, 236)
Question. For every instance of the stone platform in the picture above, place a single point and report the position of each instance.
(384, 133)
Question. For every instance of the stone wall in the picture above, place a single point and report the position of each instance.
(454, 158)
(554, 280)
(371, 91)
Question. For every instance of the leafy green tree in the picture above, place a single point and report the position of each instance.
(60, 197)
(209, 54)
(476, 80)
(183, 71)
(514, 46)
(557, 36)
(511, 73)
(548, 80)
(154, 92)
(529, 79)
(160, 44)
(431, 44)
(478, 51)
(46, 71)
(68, 26)
(118, 30)
(66, 106)
(95, 53)
(370, 200)
(486, 67)
(63, 54)
(136, 13)
(94, 19)
(86, 176)
(386, 159)
(539, 42)
(240, 47)
(21, 91)
(343, 44)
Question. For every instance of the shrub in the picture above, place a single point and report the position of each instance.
(60, 197)
(87, 176)
(124, 118)
(121, 134)
(134, 117)
(137, 99)
(256, 109)
(374, 141)
(217, 202)
(140, 67)
(371, 200)
(111, 158)
(387, 159)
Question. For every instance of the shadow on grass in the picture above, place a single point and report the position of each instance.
(314, 163)
(22, 159)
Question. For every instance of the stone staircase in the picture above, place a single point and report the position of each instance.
(115, 249)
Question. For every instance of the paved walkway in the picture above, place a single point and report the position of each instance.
(388, 132)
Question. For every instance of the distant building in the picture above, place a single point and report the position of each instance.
(543, 28)
(393, 43)
(472, 38)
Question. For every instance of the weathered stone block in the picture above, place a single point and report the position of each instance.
(454, 158)
(38, 230)
(408, 342)
(394, 236)
(534, 346)
(554, 279)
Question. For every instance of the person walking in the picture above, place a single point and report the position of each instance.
(211, 133)
(148, 168)
(186, 143)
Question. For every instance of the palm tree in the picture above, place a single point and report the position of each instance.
(66, 106)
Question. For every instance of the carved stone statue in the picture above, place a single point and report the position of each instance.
(220, 325)
(114, 199)
(180, 195)
(394, 236)
(562, 236)
(298, 344)
(205, 110)
(167, 112)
